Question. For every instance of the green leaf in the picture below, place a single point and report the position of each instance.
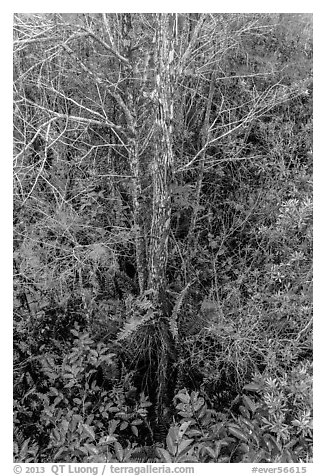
(198, 404)
(73, 423)
(81, 449)
(249, 403)
(244, 448)
(57, 400)
(238, 433)
(64, 424)
(120, 414)
(118, 451)
(106, 440)
(137, 422)
(164, 455)
(134, 429)
(91, 449)
(88, 431)
(113, 426)
(209, 451)
(247, 423)
(123, 425)
(145, 404)
(204, 415)
(183, 397)
(252, 387)
(53, 391)
(183, 445)
(217, 427)
(268, 437)
(58, 453)
(183, 428)
(185, 414)
(55, 433)
(194, 432)
(23, 450)
(244, 411)
(172, 441)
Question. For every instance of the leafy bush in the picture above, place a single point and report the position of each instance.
(80, 406)
(256, 429)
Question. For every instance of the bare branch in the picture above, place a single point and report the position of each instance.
(43, 163)
(192, 42)
(99, 80)
(109, 48)
(76, 118)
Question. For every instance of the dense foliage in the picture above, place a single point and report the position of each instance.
(163, 238)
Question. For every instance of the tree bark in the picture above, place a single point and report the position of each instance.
(132, 92)
(163, 161)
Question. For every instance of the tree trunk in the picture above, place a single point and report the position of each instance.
(132, 93)
(162, 167)
(140, 243)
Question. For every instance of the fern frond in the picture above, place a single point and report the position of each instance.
(144, 304)
(144, 454)
(133, 324)
(18, 435)
(173, 321)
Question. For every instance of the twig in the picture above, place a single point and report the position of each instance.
(304, 329)
(43, 163)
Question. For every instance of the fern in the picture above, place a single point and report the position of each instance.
(173, 322)
(133, 324)
(144, 454)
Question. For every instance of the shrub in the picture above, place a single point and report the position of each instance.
(78, 408)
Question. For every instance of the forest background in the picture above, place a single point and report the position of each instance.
(228, 348)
